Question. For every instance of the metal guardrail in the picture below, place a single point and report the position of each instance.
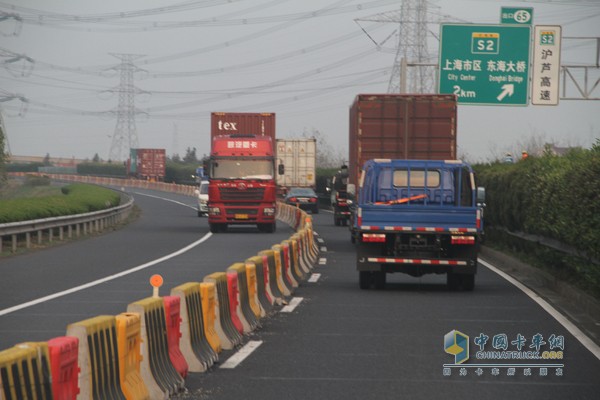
(70, 225)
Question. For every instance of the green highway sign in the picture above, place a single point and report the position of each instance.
(485, 64)
(516, 15)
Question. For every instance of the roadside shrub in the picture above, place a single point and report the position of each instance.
(75, 199)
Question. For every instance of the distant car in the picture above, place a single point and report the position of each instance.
(202, 193)
(305, 198)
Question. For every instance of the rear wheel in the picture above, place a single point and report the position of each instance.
(364, 279)
(379, 278)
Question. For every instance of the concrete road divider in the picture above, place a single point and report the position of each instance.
(234, 303)
(98, 358)
(263, 287)
(129, 342)
(161, 377)
(64, 366)
(278, 288)
(173, 316)
(286, 273)
(210, 307)
(253, 302)
(302, 239)
(25, 372)
(245, 312)
(194, 344)
(227, 332)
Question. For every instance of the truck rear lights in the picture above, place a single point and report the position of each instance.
(373, 237)
(293, 199)
(214, 211)
(313, 200)
(462, 240)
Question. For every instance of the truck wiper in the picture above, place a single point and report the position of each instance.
(401, 201)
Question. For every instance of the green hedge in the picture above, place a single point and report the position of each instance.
(554, 196)
(75, 199)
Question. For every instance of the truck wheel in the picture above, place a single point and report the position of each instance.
(364, 279)
(453, 281)
(267, 228)
(468, 282)
(379, 278)
(214, 228)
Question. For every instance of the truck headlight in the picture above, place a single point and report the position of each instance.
(269, 211)
(214, 211)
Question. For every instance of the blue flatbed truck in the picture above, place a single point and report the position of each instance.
(417, 217)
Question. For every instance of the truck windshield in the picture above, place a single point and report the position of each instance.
(242, 169)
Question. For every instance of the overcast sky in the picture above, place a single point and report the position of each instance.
(304, 60)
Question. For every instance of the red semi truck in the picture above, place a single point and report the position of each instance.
(241, 171)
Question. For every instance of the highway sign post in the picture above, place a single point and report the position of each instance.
(485, 64)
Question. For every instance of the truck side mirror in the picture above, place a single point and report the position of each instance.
(480, 196)
(281, 169)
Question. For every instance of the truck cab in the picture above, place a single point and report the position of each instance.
(241, 182)
(417, 217)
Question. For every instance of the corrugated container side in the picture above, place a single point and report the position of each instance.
(149, 162)
(401, 127)
(224, 123)
(299, 159)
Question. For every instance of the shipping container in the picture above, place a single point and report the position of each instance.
(223, 123)
(147, 163)
(299, 157)
(401, 126)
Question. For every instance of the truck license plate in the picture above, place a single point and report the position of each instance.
(241, 216)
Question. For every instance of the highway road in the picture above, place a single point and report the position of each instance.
(338, 342)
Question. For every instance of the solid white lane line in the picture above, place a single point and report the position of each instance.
(293, 304)
(106, 279)
(575, 331)
(165, 199)
(242, 354)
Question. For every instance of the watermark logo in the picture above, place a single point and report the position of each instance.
(497, 354)
(457, 344)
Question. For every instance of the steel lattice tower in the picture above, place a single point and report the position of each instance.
(125, 136)
(412, 54)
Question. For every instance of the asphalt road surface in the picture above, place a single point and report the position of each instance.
(338, 342)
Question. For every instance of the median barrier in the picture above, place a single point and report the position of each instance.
(156, 365)
(228, 333)
(290, 248)
(25, 372)
(173, 317)
(194, 344)
(278, 288)
(64, 366)
(252, 280)
(283, 264)
(300, 238)
(234, 303)
(129, 341)
(263, 287)
(245, 312)
(209, 316)
(98, 356)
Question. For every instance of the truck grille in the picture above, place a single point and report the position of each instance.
(248, 211)
(246, 194)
